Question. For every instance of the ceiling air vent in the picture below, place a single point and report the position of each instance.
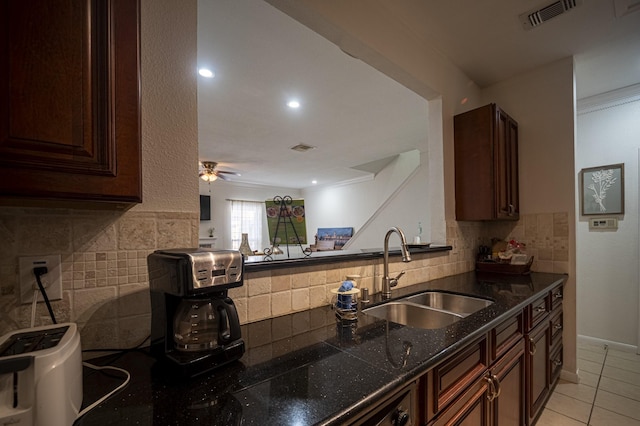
(302, 147)
(540, 15)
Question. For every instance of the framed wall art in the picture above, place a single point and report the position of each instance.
(602, 190)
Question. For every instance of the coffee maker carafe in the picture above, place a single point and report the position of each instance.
(194, 324)
(201, 324)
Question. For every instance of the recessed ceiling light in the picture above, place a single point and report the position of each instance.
(205, 72)
(293, 104)
(314, 182)
(301, 147)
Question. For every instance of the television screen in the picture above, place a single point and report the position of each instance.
(205, 207)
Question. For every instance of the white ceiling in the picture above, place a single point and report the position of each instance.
(353, 114)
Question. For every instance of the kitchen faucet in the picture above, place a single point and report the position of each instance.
(387, 282)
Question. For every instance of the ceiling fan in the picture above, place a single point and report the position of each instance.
(209, 172)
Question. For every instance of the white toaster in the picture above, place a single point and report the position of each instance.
(41, 376)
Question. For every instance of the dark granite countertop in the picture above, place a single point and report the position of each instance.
(305, 368)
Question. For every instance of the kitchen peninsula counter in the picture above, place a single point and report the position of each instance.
(306, 368)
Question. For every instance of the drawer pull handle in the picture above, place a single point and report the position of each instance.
(557, 362)
(558, 326)
(541, 309)
(532, 351)
(557, 295)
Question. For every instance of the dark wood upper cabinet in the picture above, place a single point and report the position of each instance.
(70, 101)
(486, 165)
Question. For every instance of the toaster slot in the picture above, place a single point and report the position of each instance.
(21, 343)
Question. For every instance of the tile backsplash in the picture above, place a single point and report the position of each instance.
(105, 281)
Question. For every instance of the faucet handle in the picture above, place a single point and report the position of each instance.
(394, 281)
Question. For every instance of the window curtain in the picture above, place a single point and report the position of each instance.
(246, 218)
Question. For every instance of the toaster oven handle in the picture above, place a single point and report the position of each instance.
(13, 365)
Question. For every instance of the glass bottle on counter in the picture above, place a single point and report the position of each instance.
(245, 249)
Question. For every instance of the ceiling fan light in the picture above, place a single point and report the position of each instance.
(208, 177)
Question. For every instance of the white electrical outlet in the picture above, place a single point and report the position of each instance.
(51, 281)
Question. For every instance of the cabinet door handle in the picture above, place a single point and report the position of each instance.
(557, 362)
(532, 351)
(496, 382)
(512, 210)
(492, 388)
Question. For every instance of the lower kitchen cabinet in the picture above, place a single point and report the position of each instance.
(508, 380)
(496, 398)
(503, 378)
(537, 356)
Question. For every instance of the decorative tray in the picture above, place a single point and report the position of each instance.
(504, 268)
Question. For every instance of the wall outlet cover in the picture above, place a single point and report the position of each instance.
(51, 281)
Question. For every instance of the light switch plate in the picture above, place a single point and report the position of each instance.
(51, 281)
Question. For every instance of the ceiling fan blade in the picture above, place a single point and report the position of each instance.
(226, 172)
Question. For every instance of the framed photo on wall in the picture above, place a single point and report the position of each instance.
(602, 190)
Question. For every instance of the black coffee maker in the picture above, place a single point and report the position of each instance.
(194, 324)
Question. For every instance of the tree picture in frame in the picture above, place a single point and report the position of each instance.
(602, 190)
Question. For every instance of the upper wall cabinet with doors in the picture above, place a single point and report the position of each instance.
(70, 102)
(486, 165)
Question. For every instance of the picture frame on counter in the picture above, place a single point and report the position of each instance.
(602, 190)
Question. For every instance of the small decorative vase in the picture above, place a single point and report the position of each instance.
(244, 246)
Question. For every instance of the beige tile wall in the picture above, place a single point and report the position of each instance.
(104, 267)
(104, 270)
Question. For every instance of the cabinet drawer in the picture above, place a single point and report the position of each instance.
(449, 379)
(557, 295)
(506, 335)
(470, 409)
(401, 405)
(537, 311)
(556, 325)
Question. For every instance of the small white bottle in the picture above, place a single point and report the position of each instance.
(418, 238)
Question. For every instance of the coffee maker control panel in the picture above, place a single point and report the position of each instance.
(214, 269)
(193, 271)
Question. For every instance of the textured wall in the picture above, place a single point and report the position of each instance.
(169, 106)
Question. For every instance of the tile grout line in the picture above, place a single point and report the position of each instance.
(595, 395)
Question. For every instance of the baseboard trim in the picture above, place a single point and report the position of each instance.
(613, 345)
(570, 376)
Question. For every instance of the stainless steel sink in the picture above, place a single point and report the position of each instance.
(449, 302)
(430, 310)
(412, 315)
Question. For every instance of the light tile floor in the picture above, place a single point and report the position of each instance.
(608, 392)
